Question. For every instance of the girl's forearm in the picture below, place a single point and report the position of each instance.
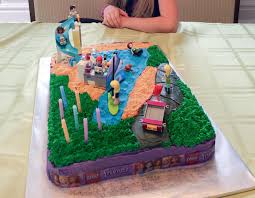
(152, 25)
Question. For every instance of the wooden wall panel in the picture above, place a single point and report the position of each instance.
(207, 10)
(56, 10)
(189, 10)
(247, 11)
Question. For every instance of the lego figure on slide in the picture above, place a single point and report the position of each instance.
(116, 89)
(168, 71)
(60, 36)
(64, 46)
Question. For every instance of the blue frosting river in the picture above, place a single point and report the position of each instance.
(139, 64)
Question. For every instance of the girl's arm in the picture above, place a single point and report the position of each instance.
(166, 22)
(111, 15)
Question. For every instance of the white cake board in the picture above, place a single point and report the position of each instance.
(225, 174)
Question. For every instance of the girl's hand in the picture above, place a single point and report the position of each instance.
(123, 21)
(112, 16)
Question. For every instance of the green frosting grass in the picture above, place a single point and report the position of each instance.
(156, 56)
(189, 125)
(111, 140)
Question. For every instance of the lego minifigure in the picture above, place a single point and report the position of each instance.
(168, 71)
(134, 51)
(87, 56)
(88, 67)
(60, 38)
(116, 89)
(157, 91)
(104, 63)
(128, 68)
(73, 12)
(99, 61)
(98, 66)
(88, 64)
(93, 60)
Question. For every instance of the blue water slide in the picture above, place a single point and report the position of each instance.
(67, 48)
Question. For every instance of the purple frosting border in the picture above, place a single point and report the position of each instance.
(128, 163)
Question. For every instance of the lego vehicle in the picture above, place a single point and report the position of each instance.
(154, 116)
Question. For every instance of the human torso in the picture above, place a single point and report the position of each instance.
(131, 3)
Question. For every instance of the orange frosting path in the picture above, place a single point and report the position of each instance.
(74, 82)
(141, 93)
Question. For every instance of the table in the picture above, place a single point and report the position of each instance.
(216, 60)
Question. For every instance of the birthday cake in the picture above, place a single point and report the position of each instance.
(119, 109)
